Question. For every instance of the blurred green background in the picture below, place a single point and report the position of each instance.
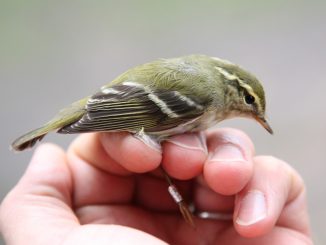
(55, 52)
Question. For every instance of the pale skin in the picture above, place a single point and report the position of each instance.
(105, 190)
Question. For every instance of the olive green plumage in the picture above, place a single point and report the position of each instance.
(162, 98)
(65, 117)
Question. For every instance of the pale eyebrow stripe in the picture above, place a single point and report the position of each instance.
(249, 89)
(222, 60)
(226, 74)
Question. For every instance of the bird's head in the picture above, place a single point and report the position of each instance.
(244, 94)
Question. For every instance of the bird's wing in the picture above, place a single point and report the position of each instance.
(129, 106)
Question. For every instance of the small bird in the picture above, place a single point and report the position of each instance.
(161, 99)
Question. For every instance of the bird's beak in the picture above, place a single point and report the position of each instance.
(264, 123)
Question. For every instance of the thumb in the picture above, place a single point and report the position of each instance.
(38, 209)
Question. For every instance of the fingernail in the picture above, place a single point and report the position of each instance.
(192, 141)
(227, 153)
(252, 209)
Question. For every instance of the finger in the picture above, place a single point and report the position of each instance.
(274, 195)
(93, 186)
(90, 149)
(229, 165)
(118, 153)
(184, 155)
(130, 152)
(41, 201)
(207, 200)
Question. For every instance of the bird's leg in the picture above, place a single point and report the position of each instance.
(153, 142)
(175, 194)
(148, 140)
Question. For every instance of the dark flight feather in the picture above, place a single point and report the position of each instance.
(132, 108)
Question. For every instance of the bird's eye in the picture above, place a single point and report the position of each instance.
(249, 99)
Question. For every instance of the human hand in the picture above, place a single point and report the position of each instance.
(91, 194)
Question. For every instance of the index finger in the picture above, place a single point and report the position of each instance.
(118, 153)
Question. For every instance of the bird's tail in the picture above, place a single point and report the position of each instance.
(65, 117)
(29, 139)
